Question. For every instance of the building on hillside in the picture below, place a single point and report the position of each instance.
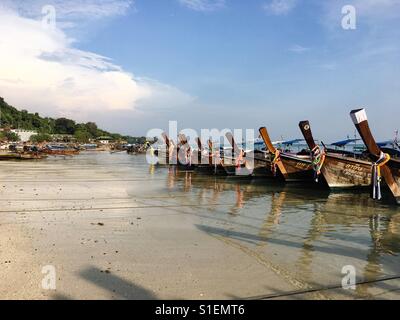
(24, 135)
(105, 140)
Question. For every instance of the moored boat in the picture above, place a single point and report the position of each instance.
(248, 162)
(21, 156)
(340, 170)
(292, 167)
(383, 164)
(59, 150)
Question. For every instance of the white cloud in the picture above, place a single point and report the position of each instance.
(329, 66)
(70, 9)
(280, 7)
(203, 5)
(70, 13)
(42, 71)
(298, 49)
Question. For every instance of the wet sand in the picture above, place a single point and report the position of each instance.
(115, 228)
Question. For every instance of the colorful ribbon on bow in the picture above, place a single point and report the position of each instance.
(239, 159)
(274, 163)
(318, 159)
(376, 175)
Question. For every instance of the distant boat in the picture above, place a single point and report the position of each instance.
(59, 150)
(21, 156)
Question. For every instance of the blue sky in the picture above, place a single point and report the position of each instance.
(223, 63)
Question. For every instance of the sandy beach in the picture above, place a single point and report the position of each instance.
(114, 228)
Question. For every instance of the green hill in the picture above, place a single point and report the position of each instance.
(12, 118)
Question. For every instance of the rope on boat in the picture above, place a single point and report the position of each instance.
(376, 175)
(318, 159)
(274, 163)
(240, 159)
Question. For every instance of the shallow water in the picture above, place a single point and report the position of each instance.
(303, 235)
(313, 233)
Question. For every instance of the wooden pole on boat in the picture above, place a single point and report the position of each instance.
(184, 145)
(318, 157)
(271, 148)
(167, 142)
(235, 148)
(360, 120)
(210, 150)
(200, 147)
(307, 134)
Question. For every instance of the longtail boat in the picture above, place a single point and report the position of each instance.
(339, 170)
(233, 159)
(383, 164)
(21, 156)
(290, 166)
(59, 150)
(212, 162)
(166, 155)
(179, 156)
(204, 158)
(249, 162)
(184, 154)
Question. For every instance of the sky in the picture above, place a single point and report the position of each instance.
(134, 65)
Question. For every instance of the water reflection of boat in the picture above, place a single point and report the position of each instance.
(336, 230)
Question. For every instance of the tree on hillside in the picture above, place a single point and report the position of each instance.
(65, 126)
(9, 136)
(12, 118)
(40, 137)
(92, 128)
(82, 136)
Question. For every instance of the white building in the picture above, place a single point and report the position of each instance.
(24, 135)
(104, 140)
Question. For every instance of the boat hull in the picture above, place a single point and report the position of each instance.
(344, 172)
(299, 168)
(61, 152)
(21, 156)
(395, 170)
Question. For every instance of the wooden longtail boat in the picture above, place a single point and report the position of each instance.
(21, 156)
(233, 160)
(204, 161)
(338, 170)
(163, 154)
(212, 163)
(383, 164)
(184, 154)
(249, 162)
(59, 151)
(292, 167)
(178, 156)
